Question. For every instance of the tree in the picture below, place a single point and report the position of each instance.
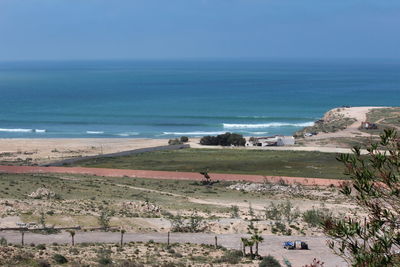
(375, 187)
(244, 243)
(206, 176)
(72, 233)
(248, 243)
(257, 239)
(104, 219)
(225, 139)
(42, 219)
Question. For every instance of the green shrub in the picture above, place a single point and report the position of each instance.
(184, 139)
(128, 263)
(269, 261)
(41, 246)
(279, 227)
(104, 260)
(3, 241)
(176, 141)
(230, 256)
(234, 211)
(60, 259)
(43, 263)
(272, 212)
(104, 218)
(74, 251)
(316, 217)
(226, 139)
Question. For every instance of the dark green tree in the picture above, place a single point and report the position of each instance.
(225, 139)
(373, 240)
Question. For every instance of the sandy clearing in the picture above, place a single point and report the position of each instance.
(171, 175)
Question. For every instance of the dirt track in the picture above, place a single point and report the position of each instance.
(169, 175)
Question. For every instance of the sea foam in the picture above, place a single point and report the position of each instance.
(192, 133)
(127, 134)
(94, 132)
(16, 130)
(266, 125)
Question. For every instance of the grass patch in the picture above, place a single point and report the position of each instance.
(240, 161)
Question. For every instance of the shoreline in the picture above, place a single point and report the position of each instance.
(48, 151)
(31, 151)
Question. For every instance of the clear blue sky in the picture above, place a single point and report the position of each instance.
(173, 29)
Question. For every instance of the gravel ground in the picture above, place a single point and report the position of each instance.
(272, 244)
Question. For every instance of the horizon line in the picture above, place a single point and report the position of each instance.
(199, 59)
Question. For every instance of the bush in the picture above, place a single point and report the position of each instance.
(373, 238)
(279, 227)
(230, 256)
(234, 211)
(193, 224)
(43, 263)
(184, 139)
(269, 261)
(176, 141)
(315, 217)
(104, 261)
(128, 263)
(226, 139)
(41, 246)
(60, 259)
(104, 218)
(3, 241)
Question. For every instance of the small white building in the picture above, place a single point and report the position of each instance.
(277, 140)
(285, 141)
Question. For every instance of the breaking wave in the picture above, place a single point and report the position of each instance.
(192, 133)
(21, 130)
(94, 132)
(126, 134)
(266, 125)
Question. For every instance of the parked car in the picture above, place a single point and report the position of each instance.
(298, 244)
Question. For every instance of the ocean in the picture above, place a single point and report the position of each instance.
(166, 99)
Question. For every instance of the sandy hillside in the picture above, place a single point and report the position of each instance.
(340, 127)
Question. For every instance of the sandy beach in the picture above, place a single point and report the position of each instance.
(49, 150)
(39, 151)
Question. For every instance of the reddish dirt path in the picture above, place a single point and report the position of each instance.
(169, 175)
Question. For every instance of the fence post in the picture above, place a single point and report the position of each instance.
(168, 239)
(216, 242)
(22, 237)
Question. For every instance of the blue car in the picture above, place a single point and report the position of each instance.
(298, 244)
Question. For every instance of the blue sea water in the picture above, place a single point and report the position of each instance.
(163, 99)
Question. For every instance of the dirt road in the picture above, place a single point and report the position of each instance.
(170, 175)
(272, 244)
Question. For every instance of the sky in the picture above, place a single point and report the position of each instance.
(202, 29)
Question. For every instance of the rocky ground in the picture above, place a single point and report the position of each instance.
(155, 207)
(130, 254)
